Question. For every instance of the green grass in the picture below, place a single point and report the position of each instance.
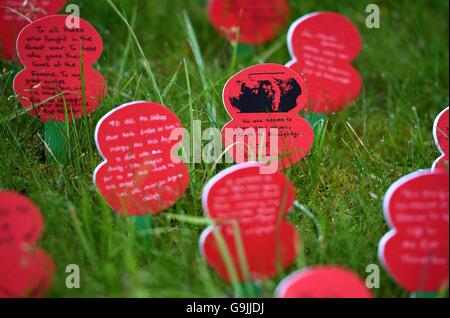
(174, 55)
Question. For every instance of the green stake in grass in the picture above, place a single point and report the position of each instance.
(248, 290)
(143, 223)
(245, 52)
(242, 53)
(424, 295)
(56, 140)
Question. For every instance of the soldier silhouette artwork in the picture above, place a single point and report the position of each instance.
(266, 95)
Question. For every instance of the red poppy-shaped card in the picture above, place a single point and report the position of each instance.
(323, 282)
(249, 21)
(322, 46)
(415, 251)
(263, 102)
(16, 14)
(440, 133)
(20, 219)
(58, 79)
(249, 210)
(25, 271)
(140, 174)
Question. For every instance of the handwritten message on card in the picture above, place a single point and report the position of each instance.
(59, 79)
(139, 176)
(16, 14)
(20, 220)
(249, 22)
(263, 101)
(415, 252)
(252, 206)
(323, 46)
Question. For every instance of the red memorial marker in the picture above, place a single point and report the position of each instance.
(138, 176)
(323, 282)
(257, 204)
(25, 271)
(440, 133)
(249, 21)
(322, 46)
(261, 98)
(415, 251)
(51, 85)
(16, 14)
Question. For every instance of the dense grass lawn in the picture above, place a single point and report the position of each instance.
(386, 134)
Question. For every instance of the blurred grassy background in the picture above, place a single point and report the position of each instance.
(386, 134)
